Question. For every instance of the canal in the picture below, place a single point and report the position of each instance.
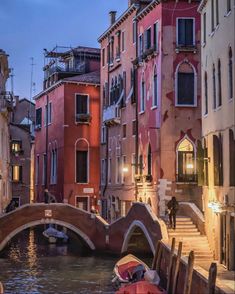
(30, 265)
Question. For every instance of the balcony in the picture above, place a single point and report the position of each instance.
(111, 115)
(6, 102)
(63, 68)
(186, 178)
(83, 118)
(186, 48)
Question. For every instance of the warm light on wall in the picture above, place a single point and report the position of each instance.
(215, 206)
(189, 166)
(125, 169)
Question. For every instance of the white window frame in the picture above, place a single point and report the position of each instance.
(177, 29)
(153, 90)
(88, 104)
(123, 43)
(142, 99)
(176, 85)
(83, 196)
(157, 23)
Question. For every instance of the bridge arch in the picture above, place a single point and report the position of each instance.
(137, 224)
(28, 225)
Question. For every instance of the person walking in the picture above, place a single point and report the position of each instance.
(172, 206)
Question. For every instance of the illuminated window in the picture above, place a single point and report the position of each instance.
(16, 173)
(218, 160)
(186, 162)
(16, 146)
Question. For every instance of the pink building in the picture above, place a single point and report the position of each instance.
(169, 103)
(118, 134)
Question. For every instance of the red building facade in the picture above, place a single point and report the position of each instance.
(169, 103)
(67, 136)
(118, 130)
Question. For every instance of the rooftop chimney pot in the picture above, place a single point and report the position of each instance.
(112, 17)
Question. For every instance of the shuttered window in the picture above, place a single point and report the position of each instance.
(81, 104)
(81, 166)
(39, 117)
(185, 32)
(185, 89)
(218, 161)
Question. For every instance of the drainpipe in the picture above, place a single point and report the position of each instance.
(46, 168)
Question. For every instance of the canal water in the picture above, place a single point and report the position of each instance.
(30, 265)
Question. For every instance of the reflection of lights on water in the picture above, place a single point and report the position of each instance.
(32, 255)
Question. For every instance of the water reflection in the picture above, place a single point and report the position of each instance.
(30, 265)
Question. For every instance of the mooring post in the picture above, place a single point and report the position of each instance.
(156, 254)
(159, 258)
(189, 274)
(212, 278)
(169, 273)
(176, 270)
(1, 288)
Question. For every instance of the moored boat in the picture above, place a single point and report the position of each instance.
(141, 287)
(53, 235)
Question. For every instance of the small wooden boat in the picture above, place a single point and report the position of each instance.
(53, 235)
(128, 269)
(141, 287)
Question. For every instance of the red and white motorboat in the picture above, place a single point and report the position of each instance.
(141, 287)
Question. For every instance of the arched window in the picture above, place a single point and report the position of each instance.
(104, 97)
(186, 161)
(214, 87)
(230, 72)
(186, 85)
(82, 161)
(232, 157)
(149, 160)
(219, 84)
(206, 93)
(155, 88)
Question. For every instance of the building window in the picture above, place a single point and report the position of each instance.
(109, 171)
(219, 84)
(228, 6)
(206, 178)
(212, 16)
(149, 161)
(82, 202)
(140, 45)
(214, 87)
(133, 168)
(123, 168)
(142, 98)
(16, 146)
(53, 166)
(218, 160)
(37, 170)
(141, 166)
(38, 118)
(186, 85)
(124, 131)
(118, 170)
(81, 166)
(206, 94)
(103, 134)
(204, 28)
(133, 127)
(134, 31)
(44, 169)
(217, 12)
(147, 39)
(155, 36)
(17, 173)
(48, 114)
(82, 108)
(230, 73)
(103, 171)
(123, 41)
(103, 57)
(185, 29)
(186, 162)
(231, 158)
(155, 88)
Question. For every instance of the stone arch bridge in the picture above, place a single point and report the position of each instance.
(93, 229)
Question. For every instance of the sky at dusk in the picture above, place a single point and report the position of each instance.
(28, 26)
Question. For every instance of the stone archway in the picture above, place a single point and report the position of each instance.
(137, 224)
(84, 237)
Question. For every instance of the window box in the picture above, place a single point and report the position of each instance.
(83, 118)
(183, 48)
(186, 178)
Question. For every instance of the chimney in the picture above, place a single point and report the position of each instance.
(112, 17)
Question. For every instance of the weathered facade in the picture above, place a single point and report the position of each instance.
(218, 126)
(67, 135)
(5, 108)
(22, 140)
(169, 114)
(118, 130)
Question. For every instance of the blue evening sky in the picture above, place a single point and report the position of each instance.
(28, 26)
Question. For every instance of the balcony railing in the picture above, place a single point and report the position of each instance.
(186, 178)
(6, 102)
(80, 68)
(111, 115)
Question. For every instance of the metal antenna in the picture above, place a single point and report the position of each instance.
(32, 84)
